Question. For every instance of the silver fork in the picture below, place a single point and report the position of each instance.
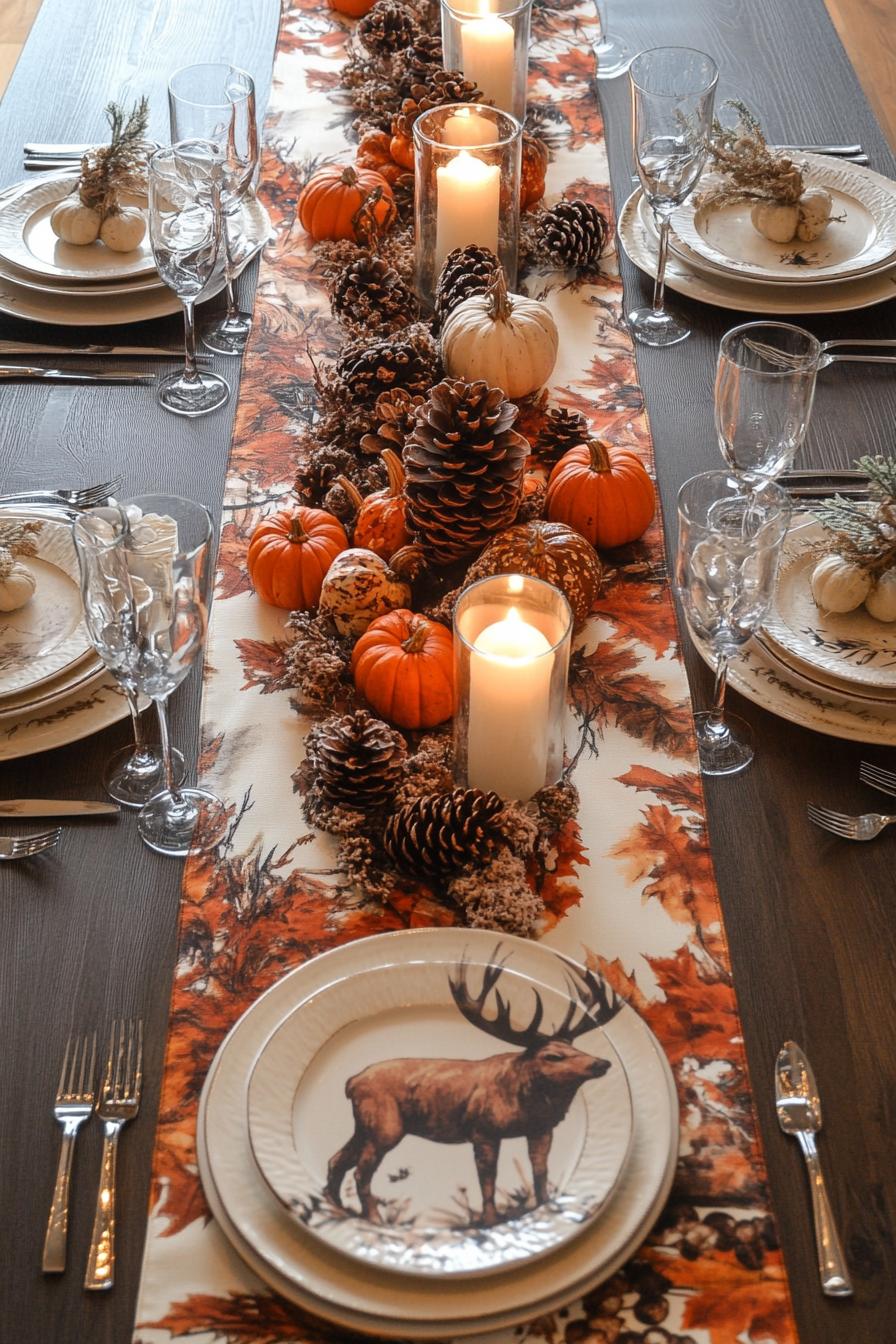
(83, 498)
(878, 777)
(74, 1103)
(119, 1102)
(23, 846)
(864, 827)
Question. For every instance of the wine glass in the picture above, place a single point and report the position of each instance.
(613, 56)
(673, 89)
(729, 543)
(184, 232)
(148, 605)
(216, 102)
(765, 384)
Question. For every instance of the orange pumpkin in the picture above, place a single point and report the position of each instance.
(403, 665)
(355, 9)
(333, 199)
(401, 147)
(603, 492)
(533, 168)
(290, 553)
(381, 525)
(373, 152)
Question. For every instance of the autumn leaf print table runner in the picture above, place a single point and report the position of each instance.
(633, 891)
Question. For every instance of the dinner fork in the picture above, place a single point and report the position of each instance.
(878, 777)
(785, 360)
(864, 827)
(84, 498)
(23, 846)
(74, 1103)
(119, 1102)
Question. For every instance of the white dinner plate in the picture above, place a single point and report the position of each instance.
(359, 1296)
(27, 240)
(401, 1040)
(76, 679)
(860, 238)
(47, 635)
(85, 711)
(44, 286)
(639, 244)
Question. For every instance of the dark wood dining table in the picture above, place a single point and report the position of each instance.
(89, 933)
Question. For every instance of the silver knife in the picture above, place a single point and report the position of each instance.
(799, 1113)
(141, 351)
(56, 807)
(12, 373)
(55, 151)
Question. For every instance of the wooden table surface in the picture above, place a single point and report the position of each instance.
(89, 934)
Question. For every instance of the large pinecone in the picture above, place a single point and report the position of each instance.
(464, 464)
(387, 27)
(573, 233)
(443, 87)
(395, 414)
(369, 295)
(358, 761)
(562, 430)
(422, 62)
(366, 369)
(467, 271)
(442, 832)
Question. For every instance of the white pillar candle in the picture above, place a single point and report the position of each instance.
(468, 128)
(486, 46)
(468, 193)
(510, 687)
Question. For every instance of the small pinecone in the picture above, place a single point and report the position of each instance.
(422, 61)
(359, 761)
(562, 430)
(467, 271)
(395, 414)
(464, 465)
(370, 295)
(387, 27)
(573, 233)
(366, 370)
(441, 832)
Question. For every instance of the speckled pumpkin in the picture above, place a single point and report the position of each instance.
(289, 554)
(404, 667)
(549, 551)
(602, 491)
(359, 587)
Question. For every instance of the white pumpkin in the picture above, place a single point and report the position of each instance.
(75, 223)
(123, 229)
(815, 212)
(838, 585)
(508, 340)
(358, 587)
(17, 588)
(881, 601)
(777, 223)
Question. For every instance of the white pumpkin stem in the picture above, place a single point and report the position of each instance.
(395, 468)
(356, 499)
(501, 302)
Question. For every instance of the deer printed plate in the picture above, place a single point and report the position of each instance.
(443, 1118)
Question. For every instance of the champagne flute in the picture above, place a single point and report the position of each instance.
(673, 89)
(729, 543)
(215, 101)
(184, 231)
(613, 56)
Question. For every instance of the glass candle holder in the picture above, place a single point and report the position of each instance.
(511, 663)
(466, 187)
(489, 42)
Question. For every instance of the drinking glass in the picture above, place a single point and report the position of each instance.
(673, 89)
(216, 102)
(613, 56)
(729, 543)
(765, 384)
(147, 605)
(184, 231)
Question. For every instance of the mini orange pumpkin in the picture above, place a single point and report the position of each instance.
(290, 553)
(381, 525)
(533, 169)
(403, 665)
(355, 9)
(373, 152)
(334, 197)
(602, 491)
(401, 147)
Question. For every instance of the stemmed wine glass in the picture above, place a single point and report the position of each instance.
(184, 231)
(216, 102)
(729, 543)
(146, 601)
(673, 89)
(613, 56)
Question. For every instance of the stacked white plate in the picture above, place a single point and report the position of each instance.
(53, 687)
(48, 280)
(276, 1117)
(716, 255)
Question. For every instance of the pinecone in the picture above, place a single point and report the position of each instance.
(387, 27)
(369, 295)
(444, 86)
(573, 233)
(366, 370)
(395, 414)
(442, 832)
(358, 761)
(467, 271)
(562, 430)
(422, 61)
(464, 465)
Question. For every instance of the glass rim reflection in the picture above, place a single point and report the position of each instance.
(808, 363)
(194, 66)
(695, 92)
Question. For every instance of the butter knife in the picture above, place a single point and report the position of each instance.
(56, 807)
(138, 351)
(799, 1114)
(15, 373)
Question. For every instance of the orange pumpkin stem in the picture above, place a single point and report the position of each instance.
(297, 532)
(349, 177)
(501, 305)
(416, 640)
(354, 494)
(395, 468)
(600, 458)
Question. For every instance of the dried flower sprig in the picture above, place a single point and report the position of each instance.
(120, 166)
(753, 172)
(865, 537)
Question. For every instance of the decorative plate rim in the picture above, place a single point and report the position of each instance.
(15, 215)
(55, 548)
